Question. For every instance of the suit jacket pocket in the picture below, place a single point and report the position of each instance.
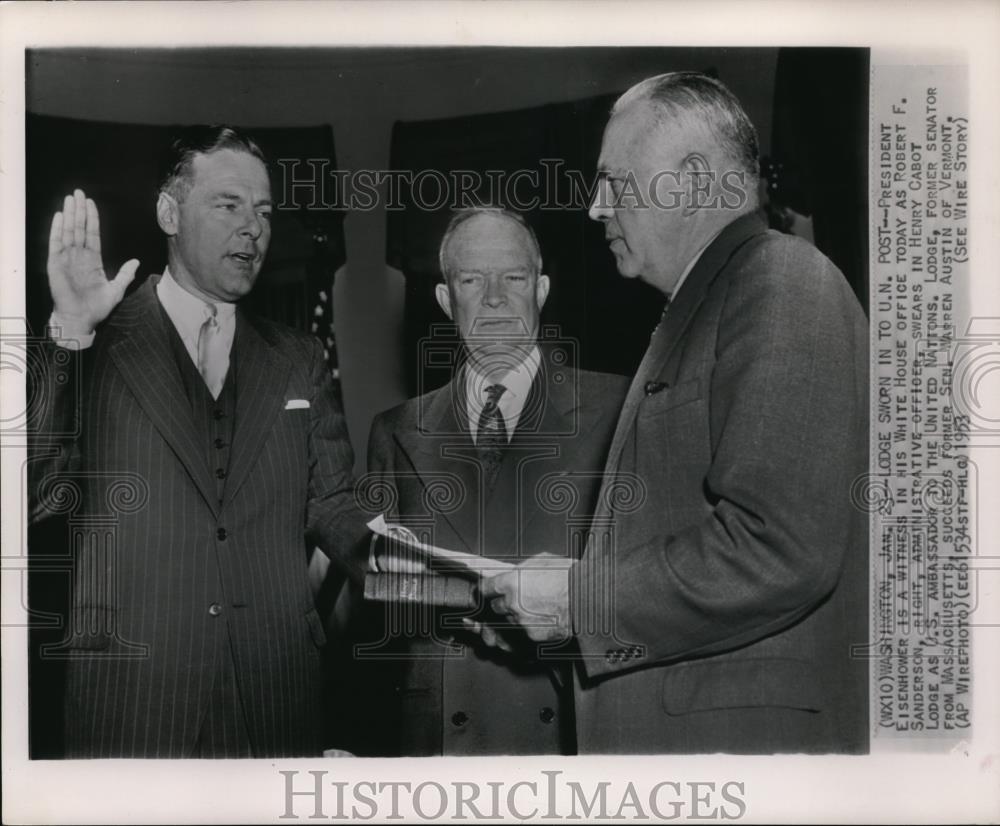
(766, 681)
(316, 628)
(669, 398)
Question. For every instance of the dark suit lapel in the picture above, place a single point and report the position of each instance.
(440, 443)
(670, 330)
(556, 432)
(146, 362)
(261, 376)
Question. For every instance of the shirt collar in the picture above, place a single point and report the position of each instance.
(183, 306)
(518, 382)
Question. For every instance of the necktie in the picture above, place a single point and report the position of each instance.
(213, 361)
(491, 436)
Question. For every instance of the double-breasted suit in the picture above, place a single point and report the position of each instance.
(457, 698)
(206, 572)
(736, 615)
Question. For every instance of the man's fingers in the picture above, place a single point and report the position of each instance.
(126, 275)
(499, 605)
(79, 218)
(93, 228)
(493, 639)
(497, 640)
(496, 585)
(489, 637)
(69, 211)
(55, 234)
(475, 627)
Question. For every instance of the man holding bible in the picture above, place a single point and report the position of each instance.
(728, 612)
(502, 461)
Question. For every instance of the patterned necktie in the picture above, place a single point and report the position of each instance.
(213, 361)
(491, 436)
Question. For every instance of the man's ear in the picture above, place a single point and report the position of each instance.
(167, 213)
(541, 290)
(443, 296)
(699, 183)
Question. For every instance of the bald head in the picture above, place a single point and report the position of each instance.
(493, 225)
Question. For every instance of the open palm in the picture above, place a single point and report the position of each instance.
(81, 292)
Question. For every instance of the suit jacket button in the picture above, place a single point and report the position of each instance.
(221, 534)
(459, 719)
(214, 609)
(546, 715)
(218, 414)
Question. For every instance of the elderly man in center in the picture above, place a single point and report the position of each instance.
(520, 436)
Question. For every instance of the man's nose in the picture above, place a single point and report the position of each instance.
(600, 206)
(253, 226)
(494, 294)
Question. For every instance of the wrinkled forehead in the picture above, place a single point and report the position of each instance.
(490, 243)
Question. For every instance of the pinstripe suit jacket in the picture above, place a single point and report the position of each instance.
(144, 643)
(729, 599)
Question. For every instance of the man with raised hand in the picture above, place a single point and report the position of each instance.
(193, 632)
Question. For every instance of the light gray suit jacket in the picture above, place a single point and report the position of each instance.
(718, 611)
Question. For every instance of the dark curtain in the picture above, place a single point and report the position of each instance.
(117, 165)
(819, 162)
(606, 319)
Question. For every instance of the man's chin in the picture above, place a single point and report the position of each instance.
(628, 270)
(241, 286)
(625, 265)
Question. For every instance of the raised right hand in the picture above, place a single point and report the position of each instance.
(81, 292)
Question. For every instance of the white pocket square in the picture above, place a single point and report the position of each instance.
(296, 404)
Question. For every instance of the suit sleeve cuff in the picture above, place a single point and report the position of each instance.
(604, 647)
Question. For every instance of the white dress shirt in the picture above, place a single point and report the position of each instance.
(187, 312)
(518, 383)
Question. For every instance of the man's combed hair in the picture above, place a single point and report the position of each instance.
(191, 141)
(708, 102)
(462, 216)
